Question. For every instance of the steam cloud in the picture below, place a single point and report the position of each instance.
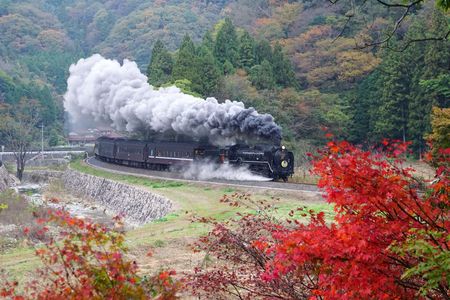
(205, 171)
(106, 92)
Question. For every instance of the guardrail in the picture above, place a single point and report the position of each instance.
(33, 155)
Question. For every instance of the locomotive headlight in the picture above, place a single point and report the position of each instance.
(283, 147)
(284, 163)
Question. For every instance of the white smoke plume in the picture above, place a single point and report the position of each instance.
(106, 92)
(205, 171)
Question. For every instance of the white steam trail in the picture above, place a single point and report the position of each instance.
(206, 171)
(105, 92)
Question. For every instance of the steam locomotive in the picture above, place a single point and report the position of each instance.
(269, 160)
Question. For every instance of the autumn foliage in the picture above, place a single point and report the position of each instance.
(388, 239)
(89, 262)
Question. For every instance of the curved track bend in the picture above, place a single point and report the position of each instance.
(160, 175)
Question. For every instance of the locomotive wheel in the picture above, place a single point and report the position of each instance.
(285, 179)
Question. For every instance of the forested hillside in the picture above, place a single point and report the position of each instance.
(311, 64)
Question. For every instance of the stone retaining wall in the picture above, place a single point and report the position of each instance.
(41, 176)
(138, 206)
(6, 180)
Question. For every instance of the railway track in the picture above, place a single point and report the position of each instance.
(161, 175)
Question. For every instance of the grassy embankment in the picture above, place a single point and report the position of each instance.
(170, 236)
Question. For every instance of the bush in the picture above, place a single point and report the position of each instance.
(89, 262)
(388, 240)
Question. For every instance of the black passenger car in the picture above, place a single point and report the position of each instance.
(157, 155)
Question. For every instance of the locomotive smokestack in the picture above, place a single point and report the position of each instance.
(102, 90)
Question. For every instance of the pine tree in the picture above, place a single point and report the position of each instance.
(228, 68)
(437, 57)
(393, 111)
(186, 63)
(226, 46)
(282, 68)
(209, 72)
(246, 51)
(428, 67)
(208, 41)
(262, 76)
(263, 51)
(159, 70)
(364, 107)
(419, 104)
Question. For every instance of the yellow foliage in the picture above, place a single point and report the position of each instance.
(355, 64)
(440, 123)
(52, 39)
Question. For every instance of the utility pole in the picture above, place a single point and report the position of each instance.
(42, 138)
(42, 143)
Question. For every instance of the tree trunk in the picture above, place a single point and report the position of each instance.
(19, 169)
(20, 162)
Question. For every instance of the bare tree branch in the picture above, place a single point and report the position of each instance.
(445, 37)
(384, 42)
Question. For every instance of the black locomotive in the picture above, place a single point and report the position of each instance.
(269, 160)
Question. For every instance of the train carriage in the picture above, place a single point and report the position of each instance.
(105, 149)
(131, 152)
(273, 161)
(170, 154)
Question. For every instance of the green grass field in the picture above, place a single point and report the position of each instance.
(171, 235)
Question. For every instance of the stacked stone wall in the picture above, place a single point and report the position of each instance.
(6, 180)
(41, 176)
(138, 206)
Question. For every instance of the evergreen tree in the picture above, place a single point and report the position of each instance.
(226, 46)
(263, 51)
(262, 76)
(393, 111)
(47, 105)
(434, 63)
(437, 58)
(282, 68)
(186, 62)
(419, 104)
(228, 68)
(159, 70)
(363, 110)
(208, 41)
(246, 51)
(209, 72)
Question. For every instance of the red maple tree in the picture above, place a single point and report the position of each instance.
(388, 239)
(88, 262)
